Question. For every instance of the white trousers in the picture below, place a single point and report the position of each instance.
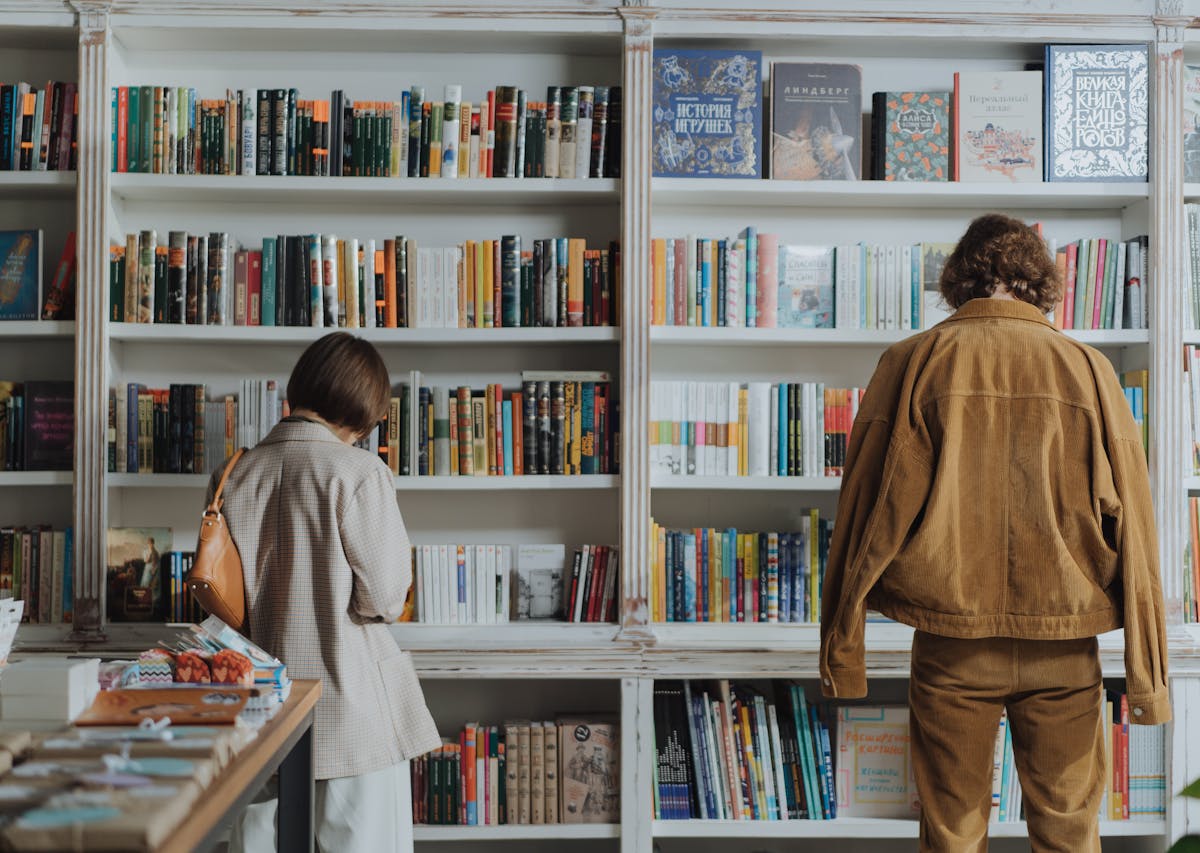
(371, 813)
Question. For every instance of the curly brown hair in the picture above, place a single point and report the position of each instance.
(998, 250)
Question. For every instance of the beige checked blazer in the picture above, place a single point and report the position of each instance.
(327, 563)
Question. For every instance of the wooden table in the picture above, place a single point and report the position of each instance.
(284, 745)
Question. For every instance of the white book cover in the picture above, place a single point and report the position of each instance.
(249, 133)
(450, 136)
(733, 420)
(891, 288)
(806, 287)
(503, 582)
(906, 287)
(874, 768)
(427, 586)
(485, 605)
(452, 264)
(368, 278)
(759, 429)
(997, 118)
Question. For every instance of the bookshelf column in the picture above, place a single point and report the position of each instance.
(91, 362)
(635, 322)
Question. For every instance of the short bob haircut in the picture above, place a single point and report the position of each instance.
(999, 251)
(342, 379)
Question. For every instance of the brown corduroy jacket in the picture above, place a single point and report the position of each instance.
(996, 486)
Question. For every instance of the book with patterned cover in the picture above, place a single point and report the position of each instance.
(911, 136)
(1097, 112)
(707, 113)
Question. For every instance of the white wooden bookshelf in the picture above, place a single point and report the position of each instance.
(725, 336)
(530, 483)
(37, 185)
(849, 827)
(551, 832)
(25, 479)
(884, 194)
(302, 335)
(684, 482)
(30, 330)
(372, 52)
(401, 195)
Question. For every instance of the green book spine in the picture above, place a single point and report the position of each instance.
(146, 127)
(1081, 279)
(268, 281)
(116, 289)
(132, 132)
(359, 145)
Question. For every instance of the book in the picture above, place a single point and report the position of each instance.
(911, 136)
(933, 260)
(186, 706)
(538, 581)
(1191, 122)
(20, 274)
(1097, 112)
(134, 573)
(707, 113)
(997, 118)
(49, 439)
(806, 287)
(589, 758)
(875, 774)
(816, 121)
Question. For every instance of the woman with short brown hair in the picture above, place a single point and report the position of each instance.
(328, 564)
(996, 499)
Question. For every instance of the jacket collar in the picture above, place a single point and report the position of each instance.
(299, 431)
(1006, 309)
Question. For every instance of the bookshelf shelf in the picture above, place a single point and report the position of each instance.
(551, 482)
(27, 185)
(394, 193)
(1191, 192)
(511, 636)
(408, 484)
(35, 478)
(556, 832)
(682, 482)
(274, 335)
(1192, 484)
(849, 827)
(681, 336)
(27, 330)
(686, 192)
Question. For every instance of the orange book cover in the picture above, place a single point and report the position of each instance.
(658, 250)
(490, 426)
(389, 282)
(575, 249)
(486, 285)
(518, 444)
(184, 705)
(496, 279)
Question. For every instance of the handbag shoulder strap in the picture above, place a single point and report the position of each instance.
(215, 506)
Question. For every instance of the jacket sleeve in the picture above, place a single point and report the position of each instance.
(886, 482)
(1132, 513)
(377, 547)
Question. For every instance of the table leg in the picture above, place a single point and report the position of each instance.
(294, 816)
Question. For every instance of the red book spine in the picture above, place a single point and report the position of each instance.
(254, 288)
(1098, 295)
(122, 129)
(491, 133)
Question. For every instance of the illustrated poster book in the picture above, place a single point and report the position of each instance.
(816, 121)
(49, 426)
(134, 572)
(806, 287)
(589, 754)
(997, 118)
(707, 113)
(184, 705)
(1097, 112)
(911, 136)
(1191, 122)
(20, 275)
(874, 765)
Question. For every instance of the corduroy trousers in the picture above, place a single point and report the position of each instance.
(1053, 693)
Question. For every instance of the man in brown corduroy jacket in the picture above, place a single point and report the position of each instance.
(996, 499)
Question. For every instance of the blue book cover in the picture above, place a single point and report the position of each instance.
(1097, 112)
(508, 436)
(20, 275)
(707, 113)
(689, 577)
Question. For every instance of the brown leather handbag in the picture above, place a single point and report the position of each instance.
(215, 578)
